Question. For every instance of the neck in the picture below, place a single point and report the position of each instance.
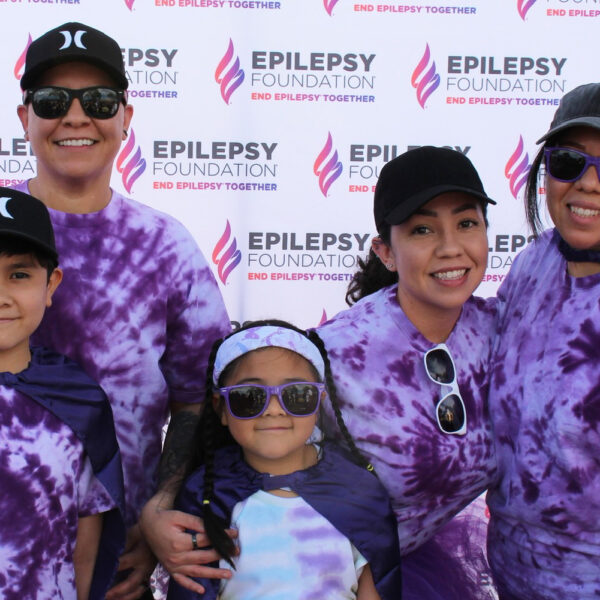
(582, 269)
(434, 323)
(71, 196)
(580, 263)
(15, 360)
(304, 457)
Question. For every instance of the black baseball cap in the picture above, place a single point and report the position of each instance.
(414, 178)
(24, 217)
(579, 107)
(73, 42)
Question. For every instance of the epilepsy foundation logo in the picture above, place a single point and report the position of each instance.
(329, 4)
(517, 168)
(226, 254)
(129, 4)
(327, 166)
(425, 79)
(523, 7)
(18, 70)
(228, 75)
(130, 163)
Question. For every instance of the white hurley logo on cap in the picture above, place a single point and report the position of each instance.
(3, 210)
(69, 39)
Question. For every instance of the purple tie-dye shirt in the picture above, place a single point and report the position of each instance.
(138, 309)
(46, 484)
(544, 540)
(388, 403)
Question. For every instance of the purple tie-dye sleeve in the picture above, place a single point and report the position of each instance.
(544, 537)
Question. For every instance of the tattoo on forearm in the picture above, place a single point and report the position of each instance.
(177, 449)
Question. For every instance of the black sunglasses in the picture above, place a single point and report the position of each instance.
(53, 102)
(566, 164)
(450, 410)
(248, 401)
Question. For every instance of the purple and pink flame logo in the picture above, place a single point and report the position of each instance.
(327, 167)
(226, 255)
(424, 78)
(228, 74)
(18, 71)
(130, 163)
(517, 168)
(329, 4)
(523, 7)
(129, 4)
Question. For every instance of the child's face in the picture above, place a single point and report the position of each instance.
(275, 442)
(25, 292)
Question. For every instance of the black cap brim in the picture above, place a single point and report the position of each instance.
(593, 122)
(403, 211)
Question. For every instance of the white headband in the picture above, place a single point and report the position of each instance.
(266, 336)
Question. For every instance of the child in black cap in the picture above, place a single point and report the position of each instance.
(61, 508)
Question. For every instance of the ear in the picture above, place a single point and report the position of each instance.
(127, 118)
(53, 283)
(23, 114)
(384, 253)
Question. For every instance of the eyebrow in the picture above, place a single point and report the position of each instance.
(432, 213)
(23, 264)
(568, 142)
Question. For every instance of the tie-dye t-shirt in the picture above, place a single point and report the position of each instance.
(138, 309)
(544, 540)
(388, 403)
(46, 484)
(289, 552)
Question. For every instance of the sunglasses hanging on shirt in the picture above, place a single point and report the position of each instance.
(450, 410)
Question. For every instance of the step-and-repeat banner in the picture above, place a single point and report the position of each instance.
(262, 125)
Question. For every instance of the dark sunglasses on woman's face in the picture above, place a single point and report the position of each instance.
(53, 102)
(566, 164)
(450, 410)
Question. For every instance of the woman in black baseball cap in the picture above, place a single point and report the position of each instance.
(544, 540)
(410, 361)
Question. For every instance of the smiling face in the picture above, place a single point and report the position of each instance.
(275, 442)
(75, 147)
(575, 207)
(25, 292)
(440, 254)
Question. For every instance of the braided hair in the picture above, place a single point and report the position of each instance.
(211, 435)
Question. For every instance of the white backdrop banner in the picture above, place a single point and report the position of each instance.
(262, 125)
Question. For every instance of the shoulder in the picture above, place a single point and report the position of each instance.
(145, 215)
(359, 316)
(535, 266)
(57, 369)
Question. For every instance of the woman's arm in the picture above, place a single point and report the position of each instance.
(366, 586)
(89, 530)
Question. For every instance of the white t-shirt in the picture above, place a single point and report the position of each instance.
(290, 552)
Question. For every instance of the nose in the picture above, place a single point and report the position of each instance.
(449, 243)
(590, 180)
(274, 407)
(76, 115)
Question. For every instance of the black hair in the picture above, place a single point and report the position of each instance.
(372, 275)
(532, 205)
(212, 435)
(11, 246)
